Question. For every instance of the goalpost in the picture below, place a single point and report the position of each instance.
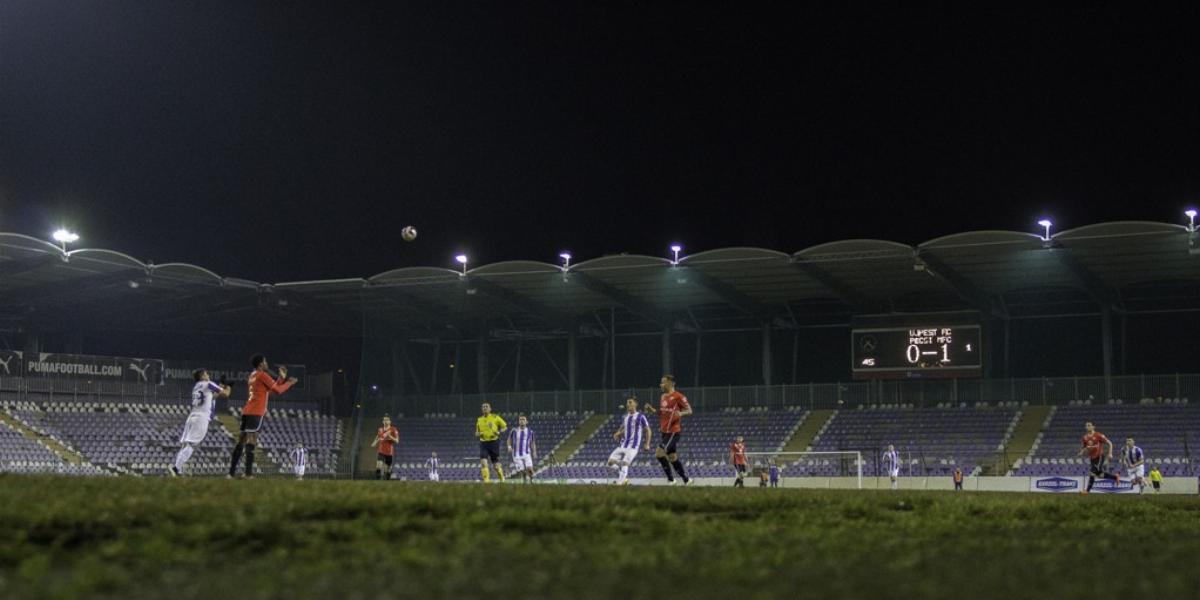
(790, 463)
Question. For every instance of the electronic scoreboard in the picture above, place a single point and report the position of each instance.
(927, 350)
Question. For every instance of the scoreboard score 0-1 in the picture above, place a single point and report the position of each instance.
(918, 351)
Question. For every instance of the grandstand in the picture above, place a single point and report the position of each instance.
(321, 435)
(1165, 429)
(19, 454)
(931, 441)
(565, 343)
(453, 439)
(704, 447)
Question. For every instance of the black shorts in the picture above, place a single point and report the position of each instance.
(490, 450)
(740, 468)
(384, 458)
(669, 441)
(251, 423)
(1156, 484)
(1097, 467)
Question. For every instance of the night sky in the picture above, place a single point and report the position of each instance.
(279, 142)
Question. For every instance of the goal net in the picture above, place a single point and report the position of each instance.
(807, 464)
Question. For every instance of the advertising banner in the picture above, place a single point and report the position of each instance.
(178, 371)
(100, 368)
(1078, 484)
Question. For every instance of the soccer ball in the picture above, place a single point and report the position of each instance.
(409, 233)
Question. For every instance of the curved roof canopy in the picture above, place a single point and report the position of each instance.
(1125, 266)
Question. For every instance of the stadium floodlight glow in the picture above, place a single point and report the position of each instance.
(1047, 224)
(566, 258)
(676, 249)
(1191, 215)
(64, 237)
(462, 260)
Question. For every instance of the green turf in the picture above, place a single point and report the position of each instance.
(198, 538)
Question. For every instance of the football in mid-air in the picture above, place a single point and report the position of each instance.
(409, 233)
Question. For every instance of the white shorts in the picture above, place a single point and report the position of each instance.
(299, 470)
(1136, 472)
(523, 462)
(433, 477)
(194, 429)
(894, 472)
(623, 455)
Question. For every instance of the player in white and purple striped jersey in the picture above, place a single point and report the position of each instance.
(891, 462)
(432, 465)
(299, 456)
(1135, 464)
(523, 447)
(633, 434)
(196, 426)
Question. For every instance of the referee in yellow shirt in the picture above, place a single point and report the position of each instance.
(1156, 479)
(488, 428)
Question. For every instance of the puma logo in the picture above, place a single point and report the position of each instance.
(4, 363)
(141, 370)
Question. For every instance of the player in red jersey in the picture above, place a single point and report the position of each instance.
(385, 440)
(261, 385)
(737, 456)
(672, 407)
(1099, 450)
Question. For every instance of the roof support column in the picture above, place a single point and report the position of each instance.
(1007, 346)
(1106, 345)
(517, 369)
(1124, 319)
(987, 339)
(398, 378)
(795, 353)
(32, 345)
(766, 353)
(437, 351)
(481, 366)
(573, 358)
(612, 345)
(666, 350)
(455, 377)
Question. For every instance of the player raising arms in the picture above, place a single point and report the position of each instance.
(634, 433)
(196, 426)
(488, 428)
(672, 407)
(1135, 464)
(1098, 449)
(522, 445)
(385, 440)
(261, 385)
(737, 456)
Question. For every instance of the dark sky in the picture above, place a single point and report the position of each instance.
(277, 142)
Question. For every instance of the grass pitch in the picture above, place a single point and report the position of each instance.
(235, 540)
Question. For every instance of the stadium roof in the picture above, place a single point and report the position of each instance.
(1124, 266)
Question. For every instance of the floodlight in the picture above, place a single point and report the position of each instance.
(676, 249)
(64, 237)
(462, 260)
(1046, 223)
(566, 258)
(1191, 215)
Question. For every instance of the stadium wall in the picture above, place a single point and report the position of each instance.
(1171, 485)
(812, 396)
